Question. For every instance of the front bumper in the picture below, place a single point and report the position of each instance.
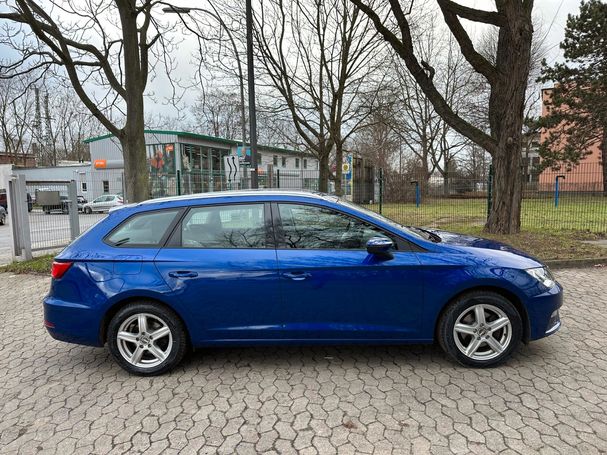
(543, 310)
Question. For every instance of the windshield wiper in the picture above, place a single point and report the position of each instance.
(431, 235)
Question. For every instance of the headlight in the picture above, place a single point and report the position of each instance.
(543, 275)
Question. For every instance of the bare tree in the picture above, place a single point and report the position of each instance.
(319, 58)
(507, 77)
(99, 46)
(218, 113)
(16, 115)
(423, 132)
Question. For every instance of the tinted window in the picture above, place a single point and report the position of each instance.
(226, 226)
(307, 226)
(144, 229)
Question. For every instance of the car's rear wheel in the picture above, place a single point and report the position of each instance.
(480, 329)
(147, 338)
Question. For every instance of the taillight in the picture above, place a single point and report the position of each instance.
(59, 268)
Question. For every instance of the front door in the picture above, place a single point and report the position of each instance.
(221, 264)
(333, 289)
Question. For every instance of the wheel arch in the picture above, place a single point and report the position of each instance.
(117, 306)
(510, 296)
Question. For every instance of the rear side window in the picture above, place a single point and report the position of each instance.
(144, 229)
(224, 226)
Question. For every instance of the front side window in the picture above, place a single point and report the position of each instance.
(144, 229)
(312, 227)
(224, 226)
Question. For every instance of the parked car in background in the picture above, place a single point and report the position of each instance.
(276, 267)
(2, 216)
(103, 203)
(81, 202)
(4, 201)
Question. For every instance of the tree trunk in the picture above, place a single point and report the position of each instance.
(339, 159)
(136, 173)
(323, 173)
(506, 116)
(604, 160)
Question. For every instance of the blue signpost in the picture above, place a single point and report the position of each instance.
(556, 189)
(417, 195)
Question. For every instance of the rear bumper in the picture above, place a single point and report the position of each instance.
(544, 317)
(72, 322)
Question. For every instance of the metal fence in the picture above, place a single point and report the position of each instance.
(52, 213)
(563, 199)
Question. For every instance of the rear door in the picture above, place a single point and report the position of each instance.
(221, 264)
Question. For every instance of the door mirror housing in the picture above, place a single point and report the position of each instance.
(380, 246)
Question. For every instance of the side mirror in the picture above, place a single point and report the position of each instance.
(380, 246)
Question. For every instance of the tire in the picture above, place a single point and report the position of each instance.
(88, 210)
(2, 221)
(496, 338)
(172, 344)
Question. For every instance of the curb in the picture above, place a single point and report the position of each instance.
(576, 263)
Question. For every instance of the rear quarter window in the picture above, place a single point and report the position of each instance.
(143, 229)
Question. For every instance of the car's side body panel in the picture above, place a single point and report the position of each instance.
(268, 295)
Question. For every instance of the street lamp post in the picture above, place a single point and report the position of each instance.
(250, 77)
(251, 85)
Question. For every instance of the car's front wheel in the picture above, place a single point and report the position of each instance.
(88, 210)
(147, 338)
(480, 329)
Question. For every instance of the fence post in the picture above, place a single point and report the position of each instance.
(72, 195)
(277, 178)
(178, 182)
(556, 189)
(489, 190)
(381, 189)
(13, 220)
(417, 193)
(22, 216)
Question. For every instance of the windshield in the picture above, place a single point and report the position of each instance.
(414, 231)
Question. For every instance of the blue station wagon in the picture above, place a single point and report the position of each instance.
(275, 267)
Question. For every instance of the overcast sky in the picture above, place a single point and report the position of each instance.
(552, 14)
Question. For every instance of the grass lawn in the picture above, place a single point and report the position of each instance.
(39, 265)
(585, 214)
(548, 233)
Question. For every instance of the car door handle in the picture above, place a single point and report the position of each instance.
(296, 276)
(183, 274)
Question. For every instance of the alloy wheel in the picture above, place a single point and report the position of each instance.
(144, 340)
(482, 332)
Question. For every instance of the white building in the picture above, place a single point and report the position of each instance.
(184, 163)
